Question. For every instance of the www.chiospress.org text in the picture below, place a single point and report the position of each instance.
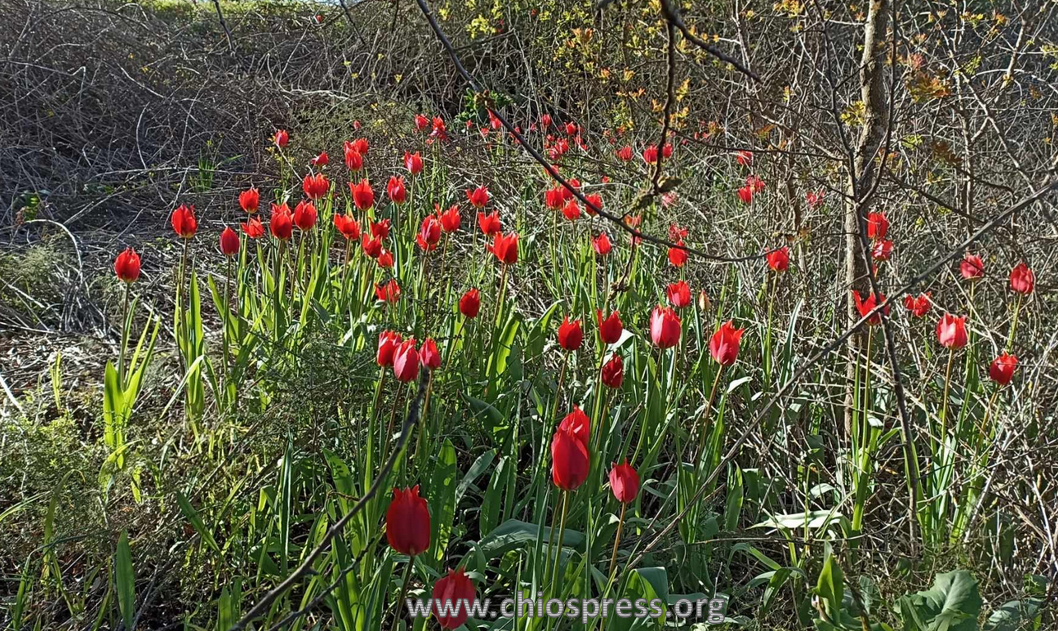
(710, 610)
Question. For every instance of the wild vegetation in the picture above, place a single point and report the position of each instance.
(308, 309)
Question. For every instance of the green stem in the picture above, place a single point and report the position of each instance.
(561, 532)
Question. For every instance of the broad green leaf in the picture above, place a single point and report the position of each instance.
(125, 580)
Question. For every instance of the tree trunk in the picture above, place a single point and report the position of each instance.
(865, 170)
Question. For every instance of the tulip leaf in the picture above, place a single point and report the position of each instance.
(125, 580)
(514, 533)
(442, 500)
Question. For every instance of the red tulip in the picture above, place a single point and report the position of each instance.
(754, 183)
(1002, 369)
(281, 138)
(613, 372)
(882, 250)
(363, 196)
(624, 482)
(356, 125)
(744, 158)
(650, 154)
(594, 204)
(421, 122)
(569, 454)
(505, 247)
(919, 306)
(745, 194)
(385, 259)
(566, 193)
(184, 223)
(380, 229)
(127, 265)
(429, 356)
(624, 153)
(372, 246)
(315, 186)
(1022, 280)
(282, 223)
(571, 210)
(396, 191)
(305, 216)
(877, 225)
(453, 596)
(353, 160)
(470, 303)
(253, 228)
(490, 223)
(545, 120)
(438, 130)
(724, 344)
(678, 255)
(478, 197)
(229, 242)
(406, 361)
(429, 233)
(408, 522)
(610, 328)
(814, 198)
(250, 199)
(951, 331)
(553, 198)
(388, 341)
(347, 226)
(320, 160)
(361, 145)
(450, 219)
(664, 327)
(779, 260)
(868, 305)
(972, 267)
(679, 294)
(388, 291)
(666, 151)
(570, 335)
(601, 244)
(413, 162)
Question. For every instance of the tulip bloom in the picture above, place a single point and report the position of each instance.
(724, 344)
(385, 259)
(624, 482)
(664, 327)
(253, 228)
(372, 246)
(601, 244)
(388, 341)
(470, 303)
(972, 267)
(363, 196)
(877, 225)
(388, 291)
(408, 522)
(1002, 369)
(650, 155)
(450, 219)
(249, 200)
(566, 193)
(413, 162)
(353, 160)
(361, 145)
(347, 226)
(127, 265)
(610, 328)
(505, 248)
(421, 122)
(282, 223)
(478, 197)
(321, 160)
(779, 260)
(553, 198)
(919, 306)
(453, 596)
(754, 183)
(868, 305)
(429, 356)
(814, 198)
(184, 223)
(429, 233)
(882, 250)
(570, 335)
(315, 186)
(678, 255)
(951, 331)
(679, 294)
(229, 242)
(571, 210)
(1022, 280)
(613, 372)
(490, 223)
(305, 216)
(406, 361)
(396, 191)
(594, 204)
(281, 138)
(380, 229)
(624, 154)
(571, 129)
(569, 452)
(744, 158)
